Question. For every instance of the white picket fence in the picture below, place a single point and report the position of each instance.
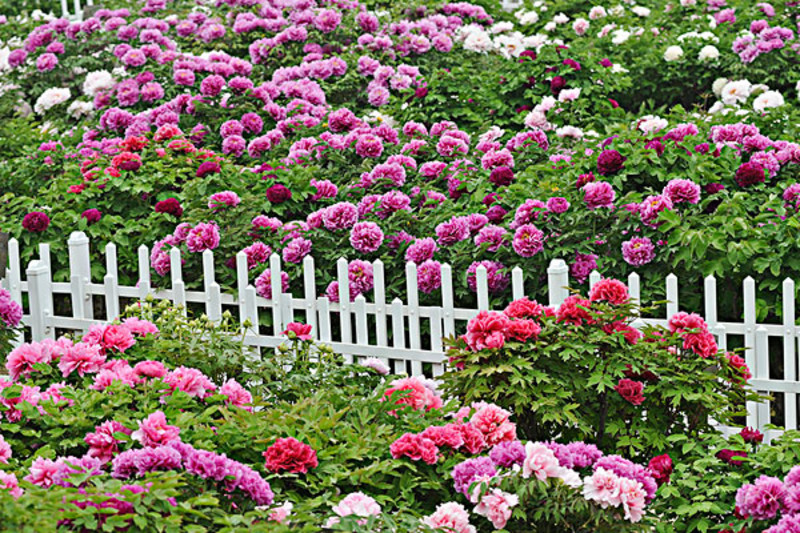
(346, 325)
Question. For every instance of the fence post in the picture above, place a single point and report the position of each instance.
(38, 288)
(111, 282)
(557, 282)
(80, 275)
(14, 279)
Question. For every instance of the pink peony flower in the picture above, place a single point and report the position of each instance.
(191, 381)
(494, 423)
(42, 472)
(139, 327)
(609, 290)
(450, 517)
(154, 431)
(298, 330)
(603, 487)
(110, 337)
(81, 358)
(415, 447)
(487, 331)
(496, 506)
(415, 394)
(540, 461)
(237, 395)
(150, 369)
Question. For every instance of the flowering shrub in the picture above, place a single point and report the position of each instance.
(10, 317)
(581, 371)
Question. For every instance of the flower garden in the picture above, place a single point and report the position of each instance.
(650, 137)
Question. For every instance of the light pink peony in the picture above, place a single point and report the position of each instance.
(496, 506)
(540, 461)
(110, 337)
(416, 394)
(237, 395)
(42, 472)
(603, 487)
(140, 327)
(450, 517)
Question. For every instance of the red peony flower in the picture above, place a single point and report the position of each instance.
(524, 308)
(751, 435)
(291, 455)
(127, 161)
(631, 391)
(523, 329)
(170, 206)
(660, 468)
(609, 290)
(277, 194)
(574, 310)
(415, 447)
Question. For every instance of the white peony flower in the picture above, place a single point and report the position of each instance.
(597, 12)
(78, 109)
(735, 92)
(687, 3)
(718, 84)
(510, 45)
(50, 98)
(478, 41)
(673, 53)
(708, 53)
(580, 26)
(528, 17)
(550, 26)
(650, 124)
(768, 99)
(569, 131)
(500, 27)
(99, 80)
(569, 95)
(641, 11)
(617, 11)
(561, 18)
(620, 36)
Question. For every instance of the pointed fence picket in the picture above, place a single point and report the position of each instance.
(405, 335)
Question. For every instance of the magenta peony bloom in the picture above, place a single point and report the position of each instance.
(598, 194)
(36, 222)
(638, 251)
(528, 240)
(204, 236)
(154, 431)
(366, 237)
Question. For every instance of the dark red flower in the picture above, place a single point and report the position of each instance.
(556, 84)
(751, 435)
(660, 467)
(610, 162)
(501, 176)
(170, 206)
(727, 456)
(277, 194)
(208, 167)
(631, 391)
(749, 174)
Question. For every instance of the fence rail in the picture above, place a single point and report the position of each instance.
(389, 330)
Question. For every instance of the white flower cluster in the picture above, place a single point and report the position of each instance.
(99, 80)
(50, 98)
(733, 93)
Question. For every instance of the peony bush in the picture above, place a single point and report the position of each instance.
(582, 371)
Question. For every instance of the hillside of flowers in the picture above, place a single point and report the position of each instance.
(651, 138)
